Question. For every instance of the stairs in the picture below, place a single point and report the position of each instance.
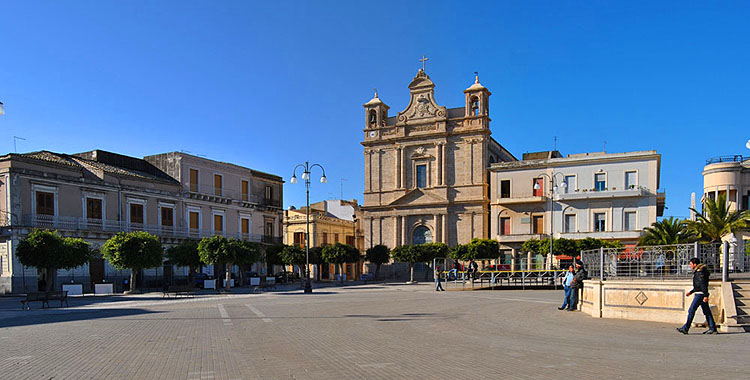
(741, 292)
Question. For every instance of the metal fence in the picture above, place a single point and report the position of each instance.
(662, 261)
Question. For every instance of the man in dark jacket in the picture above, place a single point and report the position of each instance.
(700, 292)
(576, 285)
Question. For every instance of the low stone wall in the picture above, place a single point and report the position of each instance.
(647, 300)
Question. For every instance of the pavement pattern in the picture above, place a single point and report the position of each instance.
(377, 331)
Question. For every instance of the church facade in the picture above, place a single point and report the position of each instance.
(426, 168)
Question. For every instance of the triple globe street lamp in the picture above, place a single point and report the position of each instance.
(306, 167)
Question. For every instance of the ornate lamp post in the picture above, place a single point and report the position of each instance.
(553, 188)
(306, 176)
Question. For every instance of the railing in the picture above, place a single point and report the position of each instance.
(115, 226)
(719, 159)
(237, 196)
(661, 261)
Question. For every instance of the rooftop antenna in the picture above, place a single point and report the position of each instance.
(605, 146)
(555, 143)
(15, 138)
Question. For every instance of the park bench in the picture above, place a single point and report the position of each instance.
(183, 289)
(44, 298)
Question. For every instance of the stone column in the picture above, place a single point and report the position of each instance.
(395, 231)
(405, 232)
(513, 258)
(444, 169)
(397, 168)
(403, 168)
(443, 228)
(528, 261)
(439, 164)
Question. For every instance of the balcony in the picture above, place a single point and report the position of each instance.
(720, 159)
(521, 199)
(519, 238)
(617, 235)
(111, 227)
(633, 191)
(224, 195)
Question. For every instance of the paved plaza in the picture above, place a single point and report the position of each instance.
(352, 332)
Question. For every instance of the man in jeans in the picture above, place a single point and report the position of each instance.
(566, 286)
(576, 285)
(700, 298)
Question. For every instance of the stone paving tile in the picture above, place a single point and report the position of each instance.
(369, 332)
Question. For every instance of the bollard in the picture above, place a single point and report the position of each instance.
(601, 263)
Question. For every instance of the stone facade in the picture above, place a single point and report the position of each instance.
(426, 173)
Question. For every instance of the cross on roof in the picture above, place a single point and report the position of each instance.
(423, 60)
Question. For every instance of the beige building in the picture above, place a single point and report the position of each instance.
(610, 196)
(730, 176)
(96, 194)
(331, 222)
(426, 168)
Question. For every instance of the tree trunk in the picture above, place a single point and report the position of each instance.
(191, 276)
(377, 271)
(49, 279)
(341, 273)
(411, 272)
(228, 271)
(132, 279)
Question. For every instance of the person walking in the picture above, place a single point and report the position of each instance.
(438, 284)
(700, 297)
(474, 269)
(576, 285)
(566, 286)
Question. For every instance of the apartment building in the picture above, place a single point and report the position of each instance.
(93, 195)
(610, 196)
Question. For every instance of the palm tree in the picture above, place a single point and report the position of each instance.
(666, 232)
(717, 220)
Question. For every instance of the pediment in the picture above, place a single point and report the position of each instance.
(419, 197)
(422, 104)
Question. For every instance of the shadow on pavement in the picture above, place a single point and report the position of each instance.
(71, 316)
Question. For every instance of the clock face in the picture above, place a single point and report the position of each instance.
(373, 133)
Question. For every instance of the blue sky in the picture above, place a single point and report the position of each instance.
(270, 84)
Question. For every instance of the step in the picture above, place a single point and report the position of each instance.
(742, 293)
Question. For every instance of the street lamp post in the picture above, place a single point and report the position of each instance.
(553, 188)
(306, 176)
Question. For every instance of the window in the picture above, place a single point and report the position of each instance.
(217, 184)
(745, 200)
(194, 220)
(350, 240)
(45, 203)
(600, 181)
(505, 188)
(269, 192)
(421, 235)
(136, 213)
(630, 180)
(336, 238)
(299, 239)
(504, 226)
(421, 176)
(537, 224)
(167, 217)
(218, 224)
(324, 238)
(570, 184)
(538, 187)
(94, 208)
(630, 221)
(474, 106)
(373, 117)
(600, 221)
(245, 226)
(194, 180)
(269, 229)
(245, 188)
(570, 223)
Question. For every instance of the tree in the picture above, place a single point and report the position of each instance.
(537, 246)
(428, 252)
(483, 249)
(459, 252)
(378, 255)
(295, 255)
(667, 231)
(186, 254)
(316, 258)
(272, 256)
(48, 251)
(340, 254)
(717, 221)
(246, 253)
(564, 246)
(133, 250)
(218, 250)
(407, 254)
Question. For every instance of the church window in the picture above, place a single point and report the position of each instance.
(421, 235)
(474, 106)
(373, 117)
(421, 176)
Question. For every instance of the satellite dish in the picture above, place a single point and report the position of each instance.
(747, 144)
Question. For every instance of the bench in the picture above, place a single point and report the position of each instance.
(366, 277)
(183, 289)
(44, 298)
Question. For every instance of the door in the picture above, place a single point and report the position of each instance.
(538, 225)
(96, 271)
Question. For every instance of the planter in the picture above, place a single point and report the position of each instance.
(224, 283)
(209, 284)
(104, 289)
(254, 281)
(270, 280)
(73, 289)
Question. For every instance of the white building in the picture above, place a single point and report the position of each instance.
(610, 196)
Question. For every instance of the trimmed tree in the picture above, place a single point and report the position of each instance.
(218, 250)
(565, 246)
(48, 251)
(407, 254)
(272, 256)
(378, 255)
(295, 255)
(316, 258)
(428, 252)
(133, 250)
(246, 253)
(340, 254)
(186, 254)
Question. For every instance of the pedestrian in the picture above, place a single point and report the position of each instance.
(576, 285)
(700, 297)
(474, 269)
(438, 284)
(566, 285)
(469, 268)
